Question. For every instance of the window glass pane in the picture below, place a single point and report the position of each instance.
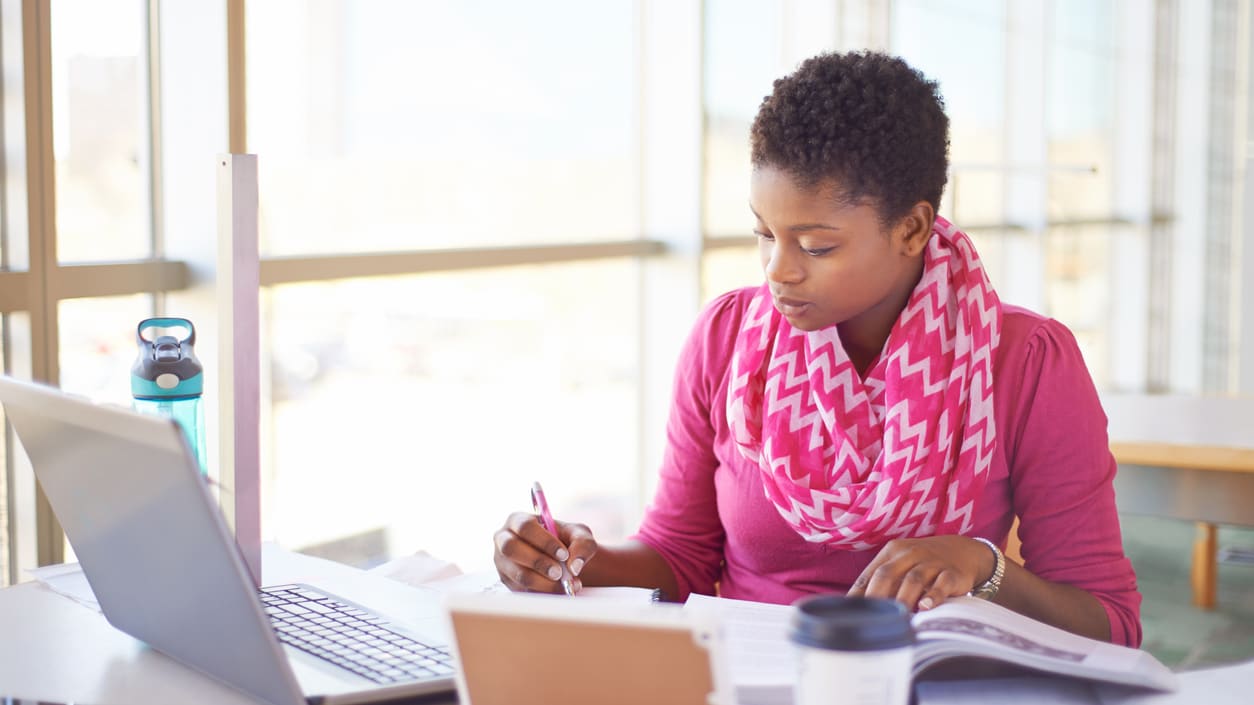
(98, 130)
(97, 349)
(742, 50)
(1081, 111)
(415, 412)
(969, 64)
(1079, 127)
(13, 246)
(98, 345)
(996, 247)
(452, 123)
(1078, 289)
(4, 505)
(5, 538)
(17, 482)
(729, 268)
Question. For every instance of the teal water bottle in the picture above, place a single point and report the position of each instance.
(168, 380)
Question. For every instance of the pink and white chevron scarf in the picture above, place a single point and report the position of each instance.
(905, 452)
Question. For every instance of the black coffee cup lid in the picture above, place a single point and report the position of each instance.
(850, 623)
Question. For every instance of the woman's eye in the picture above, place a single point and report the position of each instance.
(819, 251)
(763, 236)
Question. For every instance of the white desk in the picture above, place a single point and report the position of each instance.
(54, 649)
(1187, 458)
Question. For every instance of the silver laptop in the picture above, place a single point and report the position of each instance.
(166, 570)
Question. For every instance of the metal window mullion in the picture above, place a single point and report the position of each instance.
(1243, 214)
(1162, 196)
(14, 294)
(291, 270)
(79, 281)
(1216, 327)
(41, 218)
(8, 547)
(12, 289)
(96, 279)
(640, 484)
(236, 82)
(151, 112)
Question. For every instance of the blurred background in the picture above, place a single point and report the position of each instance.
(497, 220)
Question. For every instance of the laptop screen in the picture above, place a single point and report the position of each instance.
(152, 543)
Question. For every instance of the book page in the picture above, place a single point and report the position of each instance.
(620, 594)
(966, 626)
(980, 621)
(763, 663)
(1223, 685)
(755, 635)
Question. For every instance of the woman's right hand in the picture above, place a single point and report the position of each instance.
(529, 559)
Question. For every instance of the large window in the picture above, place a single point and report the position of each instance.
(98, 111)
(970, 67)
(414, 412)
(400, 125)
(1081, 167)
(1033, 94)
(474, 248)
(77, 193)
(413, 126)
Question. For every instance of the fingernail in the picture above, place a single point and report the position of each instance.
(562, 554)
(576, 566)
(925, 603)
(555, 573)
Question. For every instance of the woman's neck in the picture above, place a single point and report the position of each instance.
(863, 337)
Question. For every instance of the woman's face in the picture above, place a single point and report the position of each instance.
(830, 263)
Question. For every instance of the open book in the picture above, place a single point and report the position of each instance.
(762, 662)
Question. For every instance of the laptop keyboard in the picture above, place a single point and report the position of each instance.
(350, 637)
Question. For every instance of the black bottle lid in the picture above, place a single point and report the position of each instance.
(845, 623)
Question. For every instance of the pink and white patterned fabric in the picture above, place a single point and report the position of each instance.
(904, 452)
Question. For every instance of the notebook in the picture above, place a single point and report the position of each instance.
(166, 570)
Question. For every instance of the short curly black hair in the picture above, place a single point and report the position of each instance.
(864, 119)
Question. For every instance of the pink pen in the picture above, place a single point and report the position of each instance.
(541, 506)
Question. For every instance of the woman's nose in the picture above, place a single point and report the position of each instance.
(780, 266)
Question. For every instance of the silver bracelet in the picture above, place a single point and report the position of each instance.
(993, 584)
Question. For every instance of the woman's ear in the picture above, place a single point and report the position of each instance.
(914, 229)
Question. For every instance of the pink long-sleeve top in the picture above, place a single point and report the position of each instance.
(714, 526)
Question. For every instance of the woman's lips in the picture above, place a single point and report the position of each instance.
(791, 307)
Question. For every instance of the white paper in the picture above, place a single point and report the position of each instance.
(488, 581)
(67, 579)
(419, 568)
(481, 581)
(755, 635)
(1224, 685)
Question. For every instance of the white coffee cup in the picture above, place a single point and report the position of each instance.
(852, 651)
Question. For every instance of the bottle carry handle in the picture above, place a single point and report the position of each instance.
(166, 323)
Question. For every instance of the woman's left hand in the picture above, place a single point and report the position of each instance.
(922, 573)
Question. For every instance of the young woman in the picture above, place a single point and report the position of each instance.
(872, 418)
